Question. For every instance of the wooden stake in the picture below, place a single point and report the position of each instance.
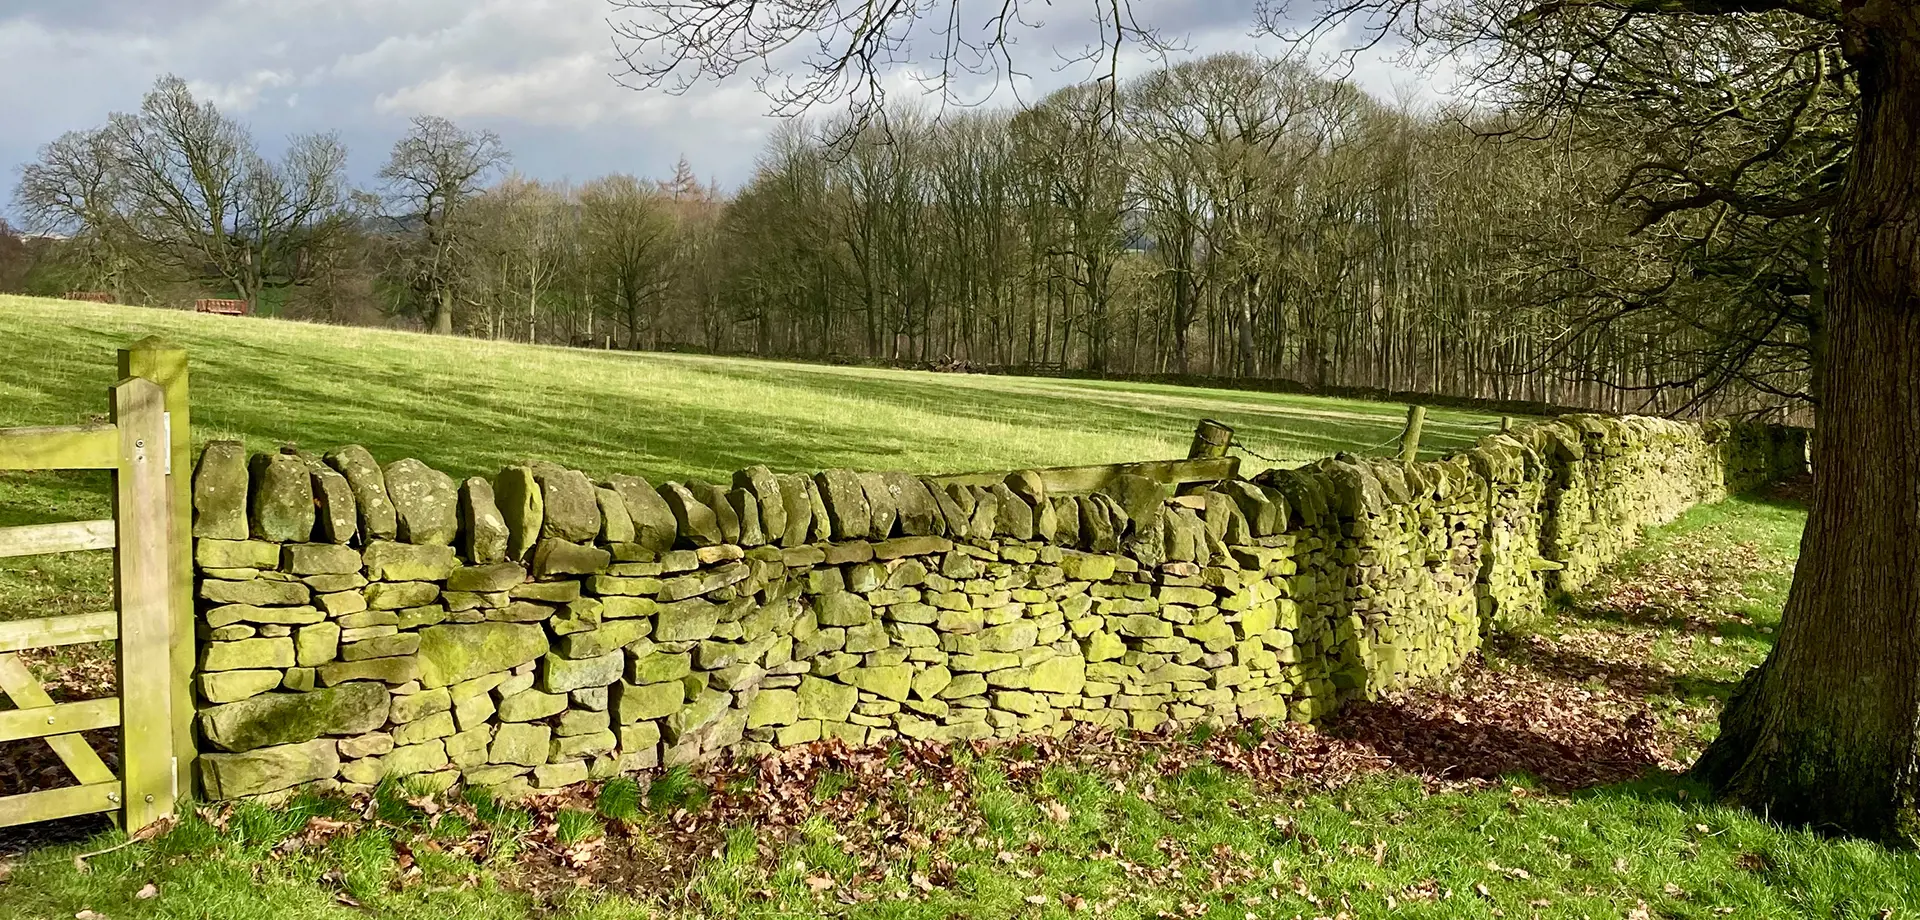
(1410, 439)
(1210, 439)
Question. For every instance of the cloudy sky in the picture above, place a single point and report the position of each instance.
(535, 71)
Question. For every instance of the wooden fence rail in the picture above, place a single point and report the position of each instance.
(144, 447)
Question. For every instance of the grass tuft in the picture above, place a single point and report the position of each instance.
(620, 800)
(674, 789)
(576, 825)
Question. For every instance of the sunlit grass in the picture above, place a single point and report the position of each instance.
(468, 406)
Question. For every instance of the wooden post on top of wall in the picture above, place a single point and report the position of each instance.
(1210, 439)
(165, 363)
(1410, 439)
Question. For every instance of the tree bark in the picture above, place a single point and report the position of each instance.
(443, 311)
(1824, 732)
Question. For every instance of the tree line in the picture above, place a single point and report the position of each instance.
(1231, 217)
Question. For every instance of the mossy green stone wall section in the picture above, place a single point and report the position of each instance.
(537, 629)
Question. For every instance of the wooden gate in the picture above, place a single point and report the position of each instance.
(145, 533)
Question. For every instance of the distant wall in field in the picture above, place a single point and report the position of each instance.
(359, 621)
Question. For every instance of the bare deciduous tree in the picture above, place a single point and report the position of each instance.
(433, 171)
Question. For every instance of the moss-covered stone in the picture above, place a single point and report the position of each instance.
(247, 613)
(686, 621)
(893, 682)
(483, 529)
(611, 635)
(424, 729)
(562, 675)
(714, 498)
(760, 482)
(842, 609)
(220, 492)
(247, 654)
(369, 485)
(412, 759)
(528, 705)
(486, 579)
(393, 671)
(414, 706)
(522, 743)
(824, 699)
(387, 560)
(270, 769)
(574, 747)
(1066, 674)
(796, 496)
(697, 523)
(1009, 637)
(654, 524)
(557, 556)
(319, 559)
(236, 554)
(336, 513)
(451, 653)
(233, 686)
(571, 505)
(773, 707)
(632, 703)
(655, 667)
(317, 644)
(425, 502)
(290, 718)
(1013, 516)
(280, 504)
(518, 496)
(399, 595)
(258, 592)
(845, 502)
(700, 712)
(881, 513)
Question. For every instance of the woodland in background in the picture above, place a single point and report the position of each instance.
(1231, 217)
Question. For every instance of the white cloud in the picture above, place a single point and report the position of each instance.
(536, 71)
(242, 94)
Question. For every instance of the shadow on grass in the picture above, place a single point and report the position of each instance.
(1666, 619)
(1639, 679)
(1453, 746)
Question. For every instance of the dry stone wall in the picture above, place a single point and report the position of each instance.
(359, 621)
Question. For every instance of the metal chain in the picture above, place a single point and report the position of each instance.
(1237, 444)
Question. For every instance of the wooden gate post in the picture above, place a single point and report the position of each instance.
(165, 364)
(1410, 439)
(1210, 439)
(143, 518)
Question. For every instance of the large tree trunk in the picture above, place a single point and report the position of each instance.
(443, 311)
(1824, 732)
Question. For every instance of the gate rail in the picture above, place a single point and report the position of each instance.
(152, 709)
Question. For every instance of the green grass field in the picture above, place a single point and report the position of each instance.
(468, 406)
